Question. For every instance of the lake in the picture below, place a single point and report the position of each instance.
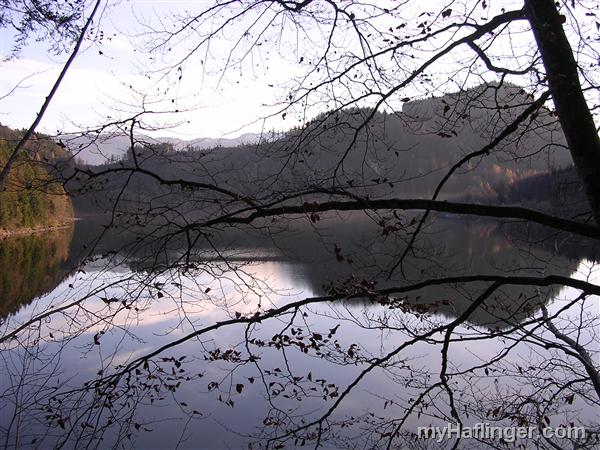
(82, 304)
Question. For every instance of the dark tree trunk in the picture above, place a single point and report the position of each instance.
(572, 109)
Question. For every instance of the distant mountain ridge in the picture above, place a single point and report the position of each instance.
(95, 150)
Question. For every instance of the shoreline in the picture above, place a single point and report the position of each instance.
(4, 234)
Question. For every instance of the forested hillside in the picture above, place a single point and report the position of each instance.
(559, 191)
(402, 154)
(31, 197)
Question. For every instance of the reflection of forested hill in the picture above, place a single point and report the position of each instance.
(447, 248)
(402, 154)
(31, 198)
(333, 250)
(31, 266)
(338, 249)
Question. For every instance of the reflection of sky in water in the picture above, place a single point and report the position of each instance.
(188, 304)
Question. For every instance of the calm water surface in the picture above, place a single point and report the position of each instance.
(107, 304)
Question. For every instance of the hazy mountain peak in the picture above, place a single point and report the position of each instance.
(96, 150)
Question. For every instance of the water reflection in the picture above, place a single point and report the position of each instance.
(135, 302)
(31, 266)
(322, 255)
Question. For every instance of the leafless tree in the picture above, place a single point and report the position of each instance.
(437, 330)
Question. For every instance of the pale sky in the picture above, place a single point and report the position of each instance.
(112, 84)
(96, 84)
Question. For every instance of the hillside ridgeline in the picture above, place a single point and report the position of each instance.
(401, 154)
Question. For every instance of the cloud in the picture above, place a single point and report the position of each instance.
(80, 96)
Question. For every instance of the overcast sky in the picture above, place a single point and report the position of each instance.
(98, 83)
(113, 78)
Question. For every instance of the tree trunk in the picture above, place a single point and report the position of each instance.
(572, 109)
